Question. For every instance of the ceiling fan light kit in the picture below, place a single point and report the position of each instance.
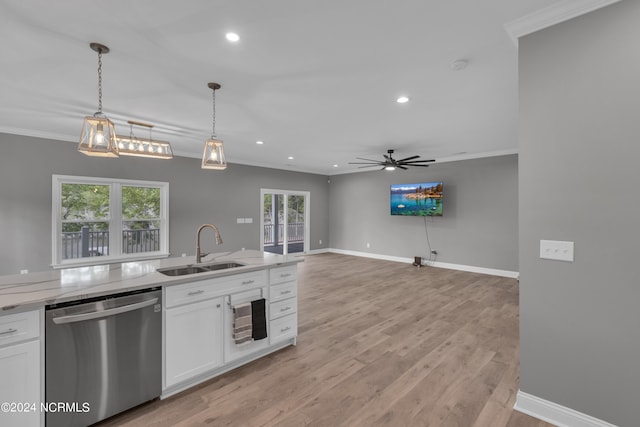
(390, 164)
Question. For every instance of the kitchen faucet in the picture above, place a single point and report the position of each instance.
(199, 255)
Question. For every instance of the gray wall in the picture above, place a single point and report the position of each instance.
(196, 196)
(579, 181)
(479, 225)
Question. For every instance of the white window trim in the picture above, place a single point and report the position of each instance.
(115, 220)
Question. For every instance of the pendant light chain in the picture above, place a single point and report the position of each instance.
(213, 133)
(100, 80)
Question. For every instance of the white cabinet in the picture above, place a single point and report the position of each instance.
(20, 369)
(193, 340)
(233, 351)
(283, 307)
(198, 323)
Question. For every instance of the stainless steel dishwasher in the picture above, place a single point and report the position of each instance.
(103, 356)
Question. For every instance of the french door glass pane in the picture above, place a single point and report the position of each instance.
(295, 224)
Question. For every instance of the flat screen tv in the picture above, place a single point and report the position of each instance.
(419, 199)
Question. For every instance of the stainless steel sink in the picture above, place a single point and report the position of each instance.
(184, 270)
(220, 266)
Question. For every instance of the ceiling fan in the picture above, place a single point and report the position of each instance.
(389, 163)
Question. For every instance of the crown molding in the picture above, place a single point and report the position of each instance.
(552, 15)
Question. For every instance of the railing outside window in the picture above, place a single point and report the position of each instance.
(295, 233)
(86, 243)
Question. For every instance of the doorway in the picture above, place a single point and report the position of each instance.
(284, 222)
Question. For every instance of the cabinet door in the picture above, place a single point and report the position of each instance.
(193, 340)
(20, 385)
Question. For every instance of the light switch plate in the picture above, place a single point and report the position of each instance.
(240, 220)
(248, 220)
(556, 249)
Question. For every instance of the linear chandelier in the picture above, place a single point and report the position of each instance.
(213, 156)
(143, 147)
(98, 137)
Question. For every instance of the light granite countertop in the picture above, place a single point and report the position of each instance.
(34, 290)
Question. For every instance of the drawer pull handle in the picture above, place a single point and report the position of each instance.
(285, 309)
(285, 292)
(192, 293)
(248, 282)
(285, 275)
(8, 331)
(285, 329)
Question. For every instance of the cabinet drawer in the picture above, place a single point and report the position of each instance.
(254, 279)
(283, 274)
(283, 308)
(205, 289)
(283, 291)
(283, 328)
(19, 327)
(188, 293)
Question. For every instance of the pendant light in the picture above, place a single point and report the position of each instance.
(143, 147)
(213, 156)
(98, 137)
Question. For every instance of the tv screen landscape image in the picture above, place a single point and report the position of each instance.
(419, 199)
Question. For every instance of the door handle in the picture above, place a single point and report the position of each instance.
(104, 313)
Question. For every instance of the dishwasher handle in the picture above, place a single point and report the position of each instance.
(103, 313)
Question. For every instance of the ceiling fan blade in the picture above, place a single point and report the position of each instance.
(408, 158)
(419, 161)
(401, 167)
(364, 163)
(388, 157)
(422, 166)
(369, 160)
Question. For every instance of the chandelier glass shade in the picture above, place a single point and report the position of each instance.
(143, 147)
(98, 136)
(213, 155)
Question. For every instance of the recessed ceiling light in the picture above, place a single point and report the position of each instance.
(232, 37)
(335, 166)
(290, 158)
(402, 100)
(389, 168)
(259, 142)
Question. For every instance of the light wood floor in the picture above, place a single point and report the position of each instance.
(380, 344)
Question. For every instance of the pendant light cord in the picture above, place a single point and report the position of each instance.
(100, 80)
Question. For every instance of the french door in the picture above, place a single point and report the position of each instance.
(284, 223)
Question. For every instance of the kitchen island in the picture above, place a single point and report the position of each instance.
(198, 337)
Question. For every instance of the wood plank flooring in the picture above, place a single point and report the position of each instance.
(380, 344)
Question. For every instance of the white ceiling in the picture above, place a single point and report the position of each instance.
(316, 80)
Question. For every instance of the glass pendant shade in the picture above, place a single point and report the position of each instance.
(213, 156)
(98, 137)
(144, 147)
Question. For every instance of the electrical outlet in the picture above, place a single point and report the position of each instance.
(368, 245)
(25, 271)
(320, 242)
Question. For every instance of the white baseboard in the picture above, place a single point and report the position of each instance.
(555, 414)
(438, 264)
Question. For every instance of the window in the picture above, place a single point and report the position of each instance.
(101, 220)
